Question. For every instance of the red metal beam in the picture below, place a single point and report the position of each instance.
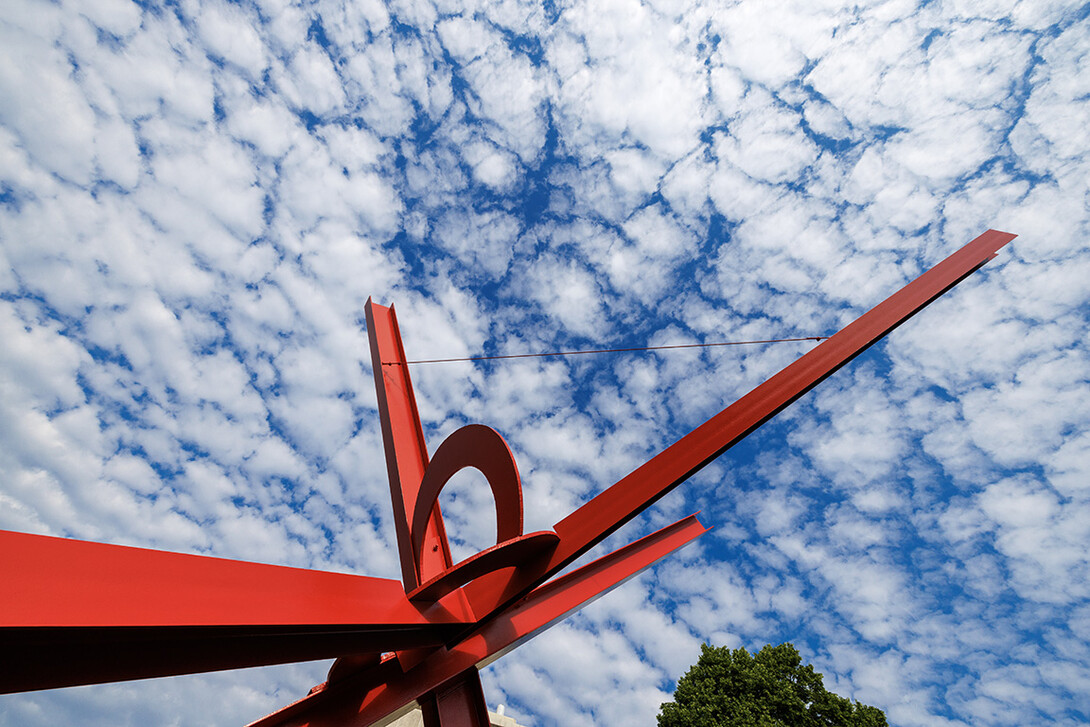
(60, 582)
(406, 451)
(611, 509)
(421, 536)
(77, 612)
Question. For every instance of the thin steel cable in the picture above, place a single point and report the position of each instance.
(607, 350)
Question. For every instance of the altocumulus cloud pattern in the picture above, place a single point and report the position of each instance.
(197, 198)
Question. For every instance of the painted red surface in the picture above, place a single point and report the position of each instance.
(82, 613)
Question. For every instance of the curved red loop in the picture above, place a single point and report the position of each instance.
(514, 552)
(474, 445)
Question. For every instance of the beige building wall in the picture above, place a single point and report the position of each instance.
(415, 718)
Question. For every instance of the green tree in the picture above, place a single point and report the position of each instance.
(771, 688)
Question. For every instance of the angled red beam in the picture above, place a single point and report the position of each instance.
(364, 699)
(90, 612)
(611, 509)
(421, 536)
(406, 451)
(60, 582)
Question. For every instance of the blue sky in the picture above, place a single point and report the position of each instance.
(197, 198)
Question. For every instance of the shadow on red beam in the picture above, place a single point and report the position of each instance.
(49, 658)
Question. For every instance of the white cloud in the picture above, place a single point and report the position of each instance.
(230, 34)
(492, 165)
(267, 125)
(484, 241)
(634, 84)
(120, 17)
(44, 106)
(216, 176)
(568, 293)
(310, 82)
(507, 91)
(763, 43)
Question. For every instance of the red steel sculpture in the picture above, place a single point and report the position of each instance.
(76, 612)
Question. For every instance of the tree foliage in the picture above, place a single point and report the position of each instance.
(771, 688)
